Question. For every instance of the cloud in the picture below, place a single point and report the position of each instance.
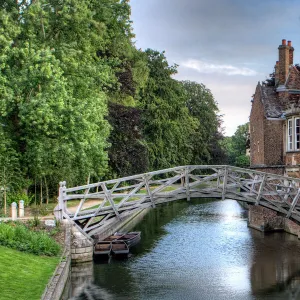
(208, 68)
(228, 45)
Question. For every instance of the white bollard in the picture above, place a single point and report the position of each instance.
(21, 208)
(14, 211)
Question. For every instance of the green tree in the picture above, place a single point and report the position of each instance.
(53, 85)
(237, 145)
(206, 138)
(167, 122)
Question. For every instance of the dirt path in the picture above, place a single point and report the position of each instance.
(87, 204)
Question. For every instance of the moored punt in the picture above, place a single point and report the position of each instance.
(113, 238)
(102, 249)
(119, 248)
(131, 238)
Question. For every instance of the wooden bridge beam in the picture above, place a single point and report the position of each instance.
(224, 182)
(261, 188)
(187, 183)
(293, 204)
(146, 180)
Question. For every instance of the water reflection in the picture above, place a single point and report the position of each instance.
(203, 250)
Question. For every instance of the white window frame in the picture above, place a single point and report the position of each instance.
(293, 134)
(297, 134)
(290, 135)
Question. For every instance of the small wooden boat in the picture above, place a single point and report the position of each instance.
(130, 238)
(102, 248)
(112, 238)
(119, 248)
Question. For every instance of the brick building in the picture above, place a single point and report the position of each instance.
(275, 118)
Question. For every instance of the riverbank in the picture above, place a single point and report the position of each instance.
(201, 250)
(24, 275)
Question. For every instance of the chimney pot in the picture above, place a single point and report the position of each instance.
(289, 43)
(284, 42)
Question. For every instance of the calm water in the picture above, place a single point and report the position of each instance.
(202, 250)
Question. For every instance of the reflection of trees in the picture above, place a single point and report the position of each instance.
(275, 271)
(116, 278)
(152, 225)
(92, 292)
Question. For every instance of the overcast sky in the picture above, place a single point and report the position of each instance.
(228, 45)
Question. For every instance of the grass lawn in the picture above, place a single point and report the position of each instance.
(23, 275)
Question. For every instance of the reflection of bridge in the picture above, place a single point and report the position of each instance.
(103, 203)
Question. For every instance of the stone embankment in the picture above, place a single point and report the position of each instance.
(264, 219)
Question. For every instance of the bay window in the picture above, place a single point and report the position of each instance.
(293, 134)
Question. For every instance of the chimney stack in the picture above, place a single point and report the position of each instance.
(285, 60)
(291, 53)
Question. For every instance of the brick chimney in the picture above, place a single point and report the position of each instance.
(291, 53)
(285, 59)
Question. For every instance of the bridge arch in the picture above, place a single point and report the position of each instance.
(103, 203)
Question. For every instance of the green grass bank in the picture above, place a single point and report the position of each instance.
(24, 275)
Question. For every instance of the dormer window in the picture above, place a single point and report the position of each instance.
(293, 134)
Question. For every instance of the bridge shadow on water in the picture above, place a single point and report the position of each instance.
(272, 260)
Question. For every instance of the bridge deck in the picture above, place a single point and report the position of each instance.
(118, 198)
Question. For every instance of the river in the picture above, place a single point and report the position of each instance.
(200, 250)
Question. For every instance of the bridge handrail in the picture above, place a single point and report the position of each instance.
(275, 191)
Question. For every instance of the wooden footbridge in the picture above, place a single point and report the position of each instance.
(102, 203)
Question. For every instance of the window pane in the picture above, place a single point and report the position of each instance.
(290, 135)
(297, 134)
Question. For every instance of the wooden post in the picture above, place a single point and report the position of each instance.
(187, 184)
(62, 187)
(148, 190)
(224, 182)
(261, 189)
(293, 204)
(218, 181)
(109, 198)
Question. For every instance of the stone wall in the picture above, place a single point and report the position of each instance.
(257, 129)
(82, 246)
(273, 142)
(292, 158)
(278, 170)
(57, 283)
(265, 219)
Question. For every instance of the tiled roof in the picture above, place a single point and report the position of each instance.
(271, 103)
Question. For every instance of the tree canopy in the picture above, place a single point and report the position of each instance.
(78, 100)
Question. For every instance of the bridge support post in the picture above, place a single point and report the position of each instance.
(146, 179)
(224, 182)
(61, 192)
(187, 183)
(261, 188)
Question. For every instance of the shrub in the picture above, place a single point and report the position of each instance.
(16, 197)
(19, 237)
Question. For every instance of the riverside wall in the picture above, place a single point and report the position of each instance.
(267, 220)
(78, 251)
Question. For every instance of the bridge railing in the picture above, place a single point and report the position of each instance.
(93, 205)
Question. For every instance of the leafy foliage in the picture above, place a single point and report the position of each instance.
(167, 122)
(17, 236)
(205, 139)
(78, 100)
(127, 154)
(237, 146)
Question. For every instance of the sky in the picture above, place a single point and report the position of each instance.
(228, 45)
